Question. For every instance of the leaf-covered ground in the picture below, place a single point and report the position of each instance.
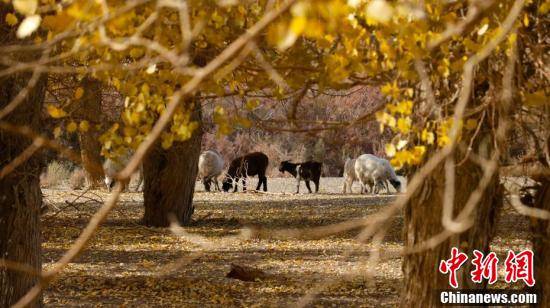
(129, 264)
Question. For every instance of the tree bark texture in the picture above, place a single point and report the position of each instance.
(88, 109)
(423, 221)
(20, 195)
(541, 239)
(170, 177)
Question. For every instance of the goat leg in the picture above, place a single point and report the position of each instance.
(308, 187)
(260, 181)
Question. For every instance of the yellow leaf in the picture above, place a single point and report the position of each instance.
(251, 104)
(84, 126)
(427, 136)
(512, 38)
(314, 29)
(483, 29)
(396, 163)
(28, 26)
(401, 144)
(390, 150)
(404, 125)
(443, 140)
(354, 3)
(145, 89)
(84, 9)
(298, 25)
(151, 69)
(404, 107)
(287, 41)
(385, 119)
(11, 19)
(380, 11)
(391, 89)
(57, 132)
(25, 7)
(71, 127)
(78, 93)
(526, 20)
(418, 151)
(167, 142)
(57, 23)
(55, 112)
(300, 8)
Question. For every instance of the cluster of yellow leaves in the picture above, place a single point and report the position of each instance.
(334, 43)
(412, 156)
(32, 20)
(72, 127)
(397, 116)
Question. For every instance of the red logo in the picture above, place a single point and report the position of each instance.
(452, 265)
(517, 267)
(520, 267)
(484, 267)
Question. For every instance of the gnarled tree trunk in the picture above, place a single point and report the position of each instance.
(541, 239)
(423, 221)
(88, 108)
(541, 245)
(20, 195)
(170, 177)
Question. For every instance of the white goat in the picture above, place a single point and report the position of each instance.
(349, 175)
(210, 168)
(373, 172)
(112, 166)
(387, 173)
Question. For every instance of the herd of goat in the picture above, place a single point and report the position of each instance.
(372, 172)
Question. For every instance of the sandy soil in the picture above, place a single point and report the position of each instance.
(129, 264)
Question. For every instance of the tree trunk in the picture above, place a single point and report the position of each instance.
(541, 239)
(20, 195)
(541, 245)
(170, 177)
(423, 220)
(88, 109)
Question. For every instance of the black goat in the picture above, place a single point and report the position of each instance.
(248, 165)
(308, 171)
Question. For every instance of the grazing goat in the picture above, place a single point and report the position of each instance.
(388, 174)
(308, 171)
(210, 168)
(349, 175)
(112, 166)
(248, 165)
(373, 172)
